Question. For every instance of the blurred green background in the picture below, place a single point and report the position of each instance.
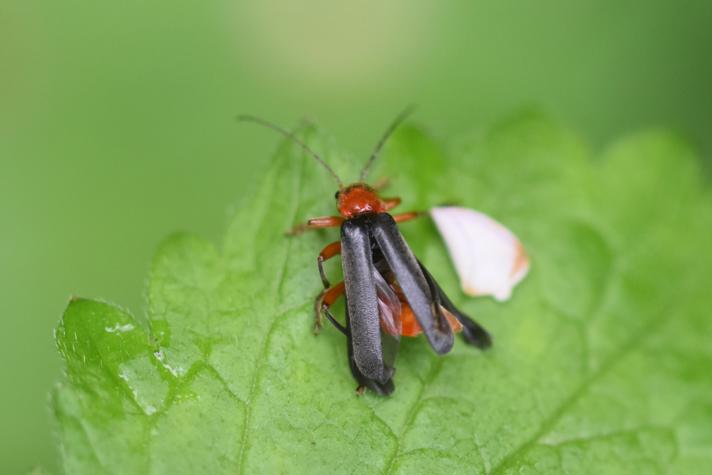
(116, 123)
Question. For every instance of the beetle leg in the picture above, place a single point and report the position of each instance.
(328, 252)
(321, 306)
(316, 223)
(391, 203)
(335, 322)
(400, 218)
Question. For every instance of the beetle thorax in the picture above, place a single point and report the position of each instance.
(358, 199)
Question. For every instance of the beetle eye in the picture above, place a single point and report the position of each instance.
(336, 195)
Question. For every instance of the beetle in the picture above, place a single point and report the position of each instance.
(387, 290)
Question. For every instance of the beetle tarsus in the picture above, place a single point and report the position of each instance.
(382, 183)
(322, 274)
(318, 306)
(296, 230)
(329, 251)
(316, 330)
(316, 223)
(321, 307)
(403, 217)
(335, 322)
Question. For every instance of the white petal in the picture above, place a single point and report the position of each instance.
(489, 259)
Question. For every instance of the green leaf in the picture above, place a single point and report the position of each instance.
(601, 362)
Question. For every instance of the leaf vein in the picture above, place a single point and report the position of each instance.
(548, 424)
(266, 342)
(412, 413)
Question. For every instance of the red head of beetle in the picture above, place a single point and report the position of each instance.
(358, 199)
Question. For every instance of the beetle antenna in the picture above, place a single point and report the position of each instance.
(391, 128)
(291, 136)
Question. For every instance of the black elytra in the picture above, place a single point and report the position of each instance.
(372, 243)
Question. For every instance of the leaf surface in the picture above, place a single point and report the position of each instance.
(601, 361)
